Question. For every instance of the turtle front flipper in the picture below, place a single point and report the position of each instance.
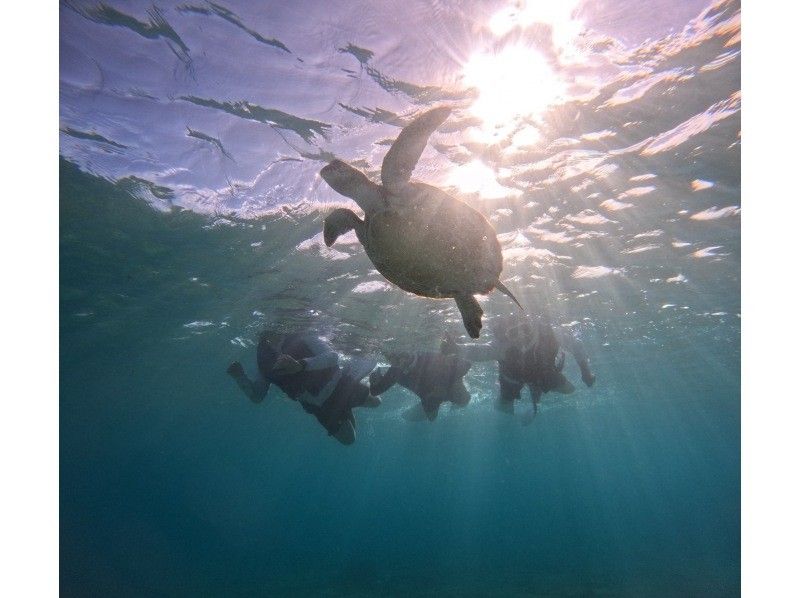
(471, 313)
(341, 221)
(404, 154)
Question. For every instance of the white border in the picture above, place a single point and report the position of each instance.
(770, 235)
(29, 253)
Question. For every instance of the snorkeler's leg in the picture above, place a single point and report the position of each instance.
(432, 411)
(509, 392)
(360, 397)
(536, 397)
(255, 390)
(381, 380)
(363, 397)
(572, 343)
(430, 405)
(415, 413)
(346, 434)
(459, 394)
(586, 373)
(372, 402)
(337, 420)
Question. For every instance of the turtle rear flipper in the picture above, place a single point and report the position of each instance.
(339, 222)
(471, 313)
(404, 154)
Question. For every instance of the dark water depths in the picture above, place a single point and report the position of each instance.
(191, 217)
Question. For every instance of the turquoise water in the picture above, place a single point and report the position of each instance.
(603, 144)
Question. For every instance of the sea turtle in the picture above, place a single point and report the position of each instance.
(419, 237)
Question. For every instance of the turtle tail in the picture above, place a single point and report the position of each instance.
(503, 289)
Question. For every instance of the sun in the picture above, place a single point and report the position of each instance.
(513, 83)
(515, 80)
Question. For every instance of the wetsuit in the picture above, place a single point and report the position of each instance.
(536, 366)
(435, 378)
(536, 363)
(322, 388)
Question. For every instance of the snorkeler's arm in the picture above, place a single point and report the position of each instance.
(260, 389)
(571, 343)
(255, 390)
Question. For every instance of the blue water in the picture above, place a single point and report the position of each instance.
(602, 142)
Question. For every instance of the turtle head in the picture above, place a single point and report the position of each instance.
(352, 183)
(341, 177)
(334, 171)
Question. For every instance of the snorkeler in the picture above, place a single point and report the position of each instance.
(307, 370)
(529, 352)
(434, 377)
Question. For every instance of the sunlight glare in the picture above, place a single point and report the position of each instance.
(513, 83)
(476, 177)
(526, 137)
(558, 15)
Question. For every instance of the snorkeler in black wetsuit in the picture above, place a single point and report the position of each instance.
(307, 370)
(529, 352)
(435, 378)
